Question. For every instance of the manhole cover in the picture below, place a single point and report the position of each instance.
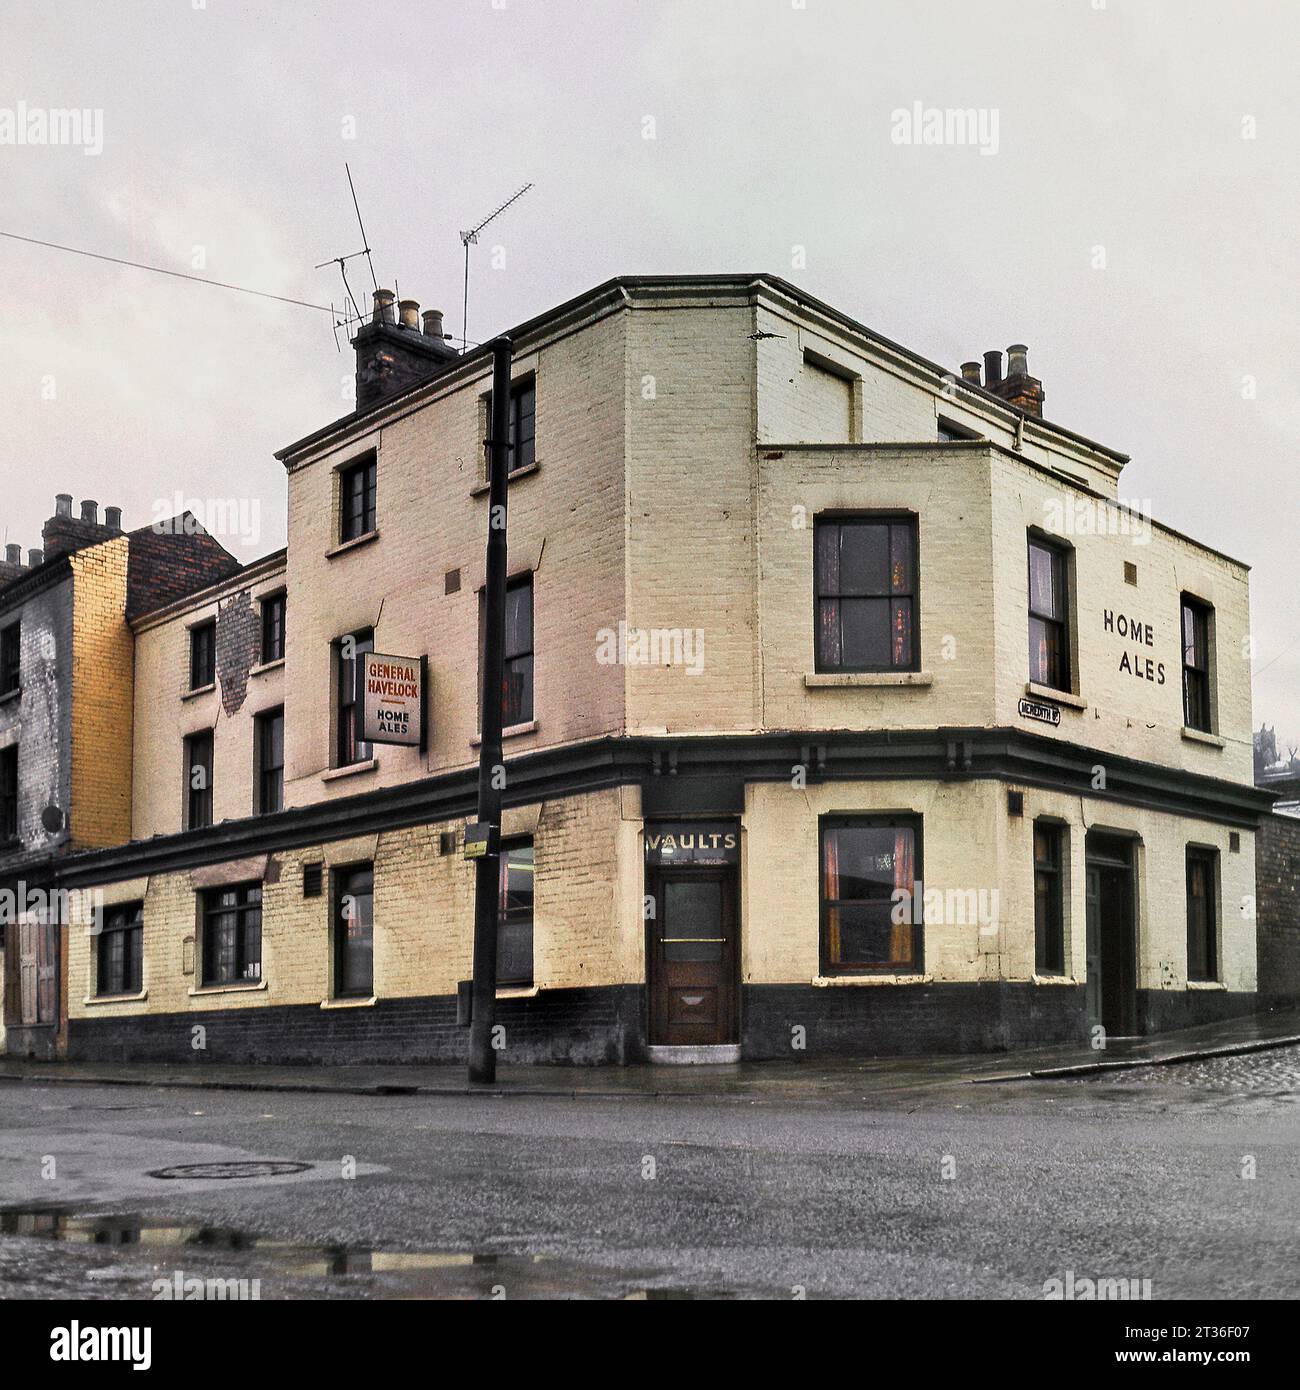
(253, 1168)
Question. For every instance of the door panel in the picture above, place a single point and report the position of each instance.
(692, 950)
(1093, 978)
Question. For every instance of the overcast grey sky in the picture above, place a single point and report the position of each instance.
(1164, 131)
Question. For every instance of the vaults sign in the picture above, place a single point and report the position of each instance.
(390, 698)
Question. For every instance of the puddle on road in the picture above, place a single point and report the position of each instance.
(202, 1252)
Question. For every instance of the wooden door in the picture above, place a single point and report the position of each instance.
(693, 958)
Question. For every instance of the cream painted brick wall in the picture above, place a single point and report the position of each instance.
(587, 923)
(1126, 715)
(971, 844)
(565, 522)
(164, 717)
(950, 495)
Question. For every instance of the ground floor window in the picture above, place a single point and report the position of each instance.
(354, 931)
(870, 912)
(1049, 898)
(515, 914)
(121, 951)
(232, 934)
(1202, 917)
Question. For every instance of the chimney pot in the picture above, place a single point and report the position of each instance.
(63, 504)
(113, 518)
(383, 307)
(970, 371)
(90, 511)
(433, 323)
(1017, 360)
(13, 554)
(992, 370)
(410, 314)
(34, 558)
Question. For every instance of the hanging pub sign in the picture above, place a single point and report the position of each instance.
(1042, 711)
(670, 844)
(390, 698)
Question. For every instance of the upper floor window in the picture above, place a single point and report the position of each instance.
(1196, 664)
(120, 956)
(354, 931)
(515, 914)
(870, 911)
(1049, 615)
(1202, 916)
(349, 748)
(198, 780)
(232, 934)
(1049, 898)
(10, 658)
(357, 490)
(9, 793)
(269, 736)
(273, 628)
(517, 671)
(866, 593)
(523, 415)
(203, 655)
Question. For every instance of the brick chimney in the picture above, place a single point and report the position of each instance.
(393, 355)
(64, 533)
(1017, 388)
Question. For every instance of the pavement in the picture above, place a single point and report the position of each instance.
(743, 1080)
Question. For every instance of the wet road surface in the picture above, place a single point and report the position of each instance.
(1187, 1175)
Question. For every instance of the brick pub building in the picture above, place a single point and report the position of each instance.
(849, 711)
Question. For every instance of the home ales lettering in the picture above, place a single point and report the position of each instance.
(1139, 634)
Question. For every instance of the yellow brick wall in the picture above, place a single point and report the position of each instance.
(587, 925)
(102, 677)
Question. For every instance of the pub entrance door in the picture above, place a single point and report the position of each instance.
(692, 934)
(1111, 911)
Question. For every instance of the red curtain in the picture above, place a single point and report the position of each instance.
(900, 933)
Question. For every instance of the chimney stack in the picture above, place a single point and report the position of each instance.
(1019, 389)
(34, 558)
(970, 371)
(13, 555)
(393, 356)
(992, 370)
(62, 504)
(90, 512)
(113, 518)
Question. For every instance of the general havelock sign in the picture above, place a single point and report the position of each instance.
(390, 697)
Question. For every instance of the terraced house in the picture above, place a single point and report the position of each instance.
(849, 710)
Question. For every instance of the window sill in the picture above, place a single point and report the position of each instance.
(480, 488)
(116, 998)
(346, 1003)
(1057, 697)
(197, 991)
(1200, 736)
(519, 991)
(510, 731)
(828, 981)
(354, 544)
(829, 680)
(200, 690)
(1207, 984)
(266, 666)
(332, 774)
(1053, 980)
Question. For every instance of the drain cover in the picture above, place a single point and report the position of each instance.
(253, 1168)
